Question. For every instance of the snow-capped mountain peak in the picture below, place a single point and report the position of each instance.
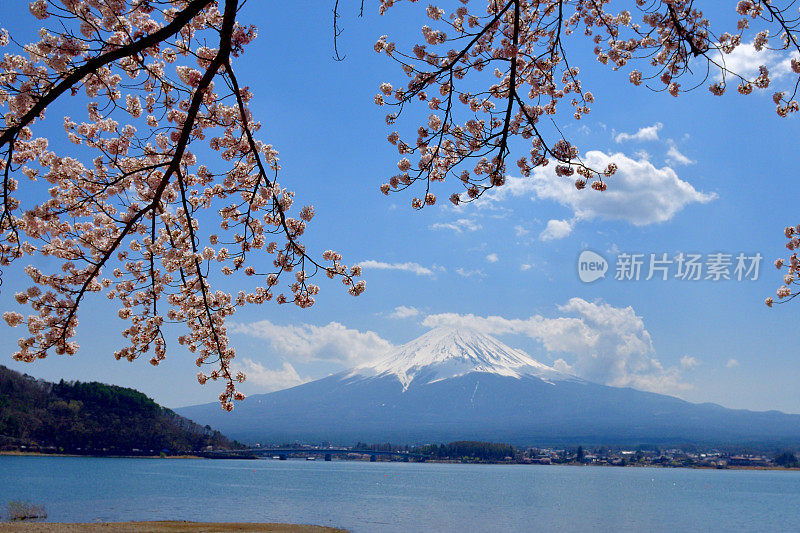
(444, 353)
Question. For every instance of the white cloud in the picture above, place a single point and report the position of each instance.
(562, 366)
(306, 342)
(556, 229)
(414, 268)
(688, 362)
(404, 312)
(638, 193)
(459, 226)
(745, 60)
(648, 133)
(599, 342)
(525, 266)
(731, 363)
(464, 273)
(492, 258)
(676, 157)
(520, 231)
(268, 380)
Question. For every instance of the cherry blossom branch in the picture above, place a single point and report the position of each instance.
(337, 32)
(219, 60)
(357, 288)
(182, 19)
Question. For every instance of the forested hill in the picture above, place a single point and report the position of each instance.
(76, 417)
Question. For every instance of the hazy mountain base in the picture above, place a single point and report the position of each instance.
(523, 411)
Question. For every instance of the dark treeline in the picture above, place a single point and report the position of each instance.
(461, 450)
(468, 450)
(787, 459)
(76, 417)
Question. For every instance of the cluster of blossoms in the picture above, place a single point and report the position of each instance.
(521, 43)
(792, 265)
(674, 37)
(468, 133)
(124, 212)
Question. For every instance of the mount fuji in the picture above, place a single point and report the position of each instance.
(447, 353)
(452, 384)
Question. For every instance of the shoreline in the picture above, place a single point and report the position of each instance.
(597, 465)
(40, 454)
(170, 526)
(690, 467)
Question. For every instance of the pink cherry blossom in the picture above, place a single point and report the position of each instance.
(122, 217)
(120, 210)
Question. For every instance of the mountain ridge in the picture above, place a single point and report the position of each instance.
(450, 385)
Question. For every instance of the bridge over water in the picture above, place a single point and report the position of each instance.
(327, 453)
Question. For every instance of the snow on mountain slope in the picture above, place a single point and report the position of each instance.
(445, 353)
(453, 385)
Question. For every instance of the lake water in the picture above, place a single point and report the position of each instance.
(363, 496)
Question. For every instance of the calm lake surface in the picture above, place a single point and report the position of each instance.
(363, 496)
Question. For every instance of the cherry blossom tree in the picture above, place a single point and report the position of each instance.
(168, 184)
(522, 45)
(157, 80)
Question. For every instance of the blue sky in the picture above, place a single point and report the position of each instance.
(698, 174)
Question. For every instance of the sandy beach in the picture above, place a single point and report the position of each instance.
(161, 527)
